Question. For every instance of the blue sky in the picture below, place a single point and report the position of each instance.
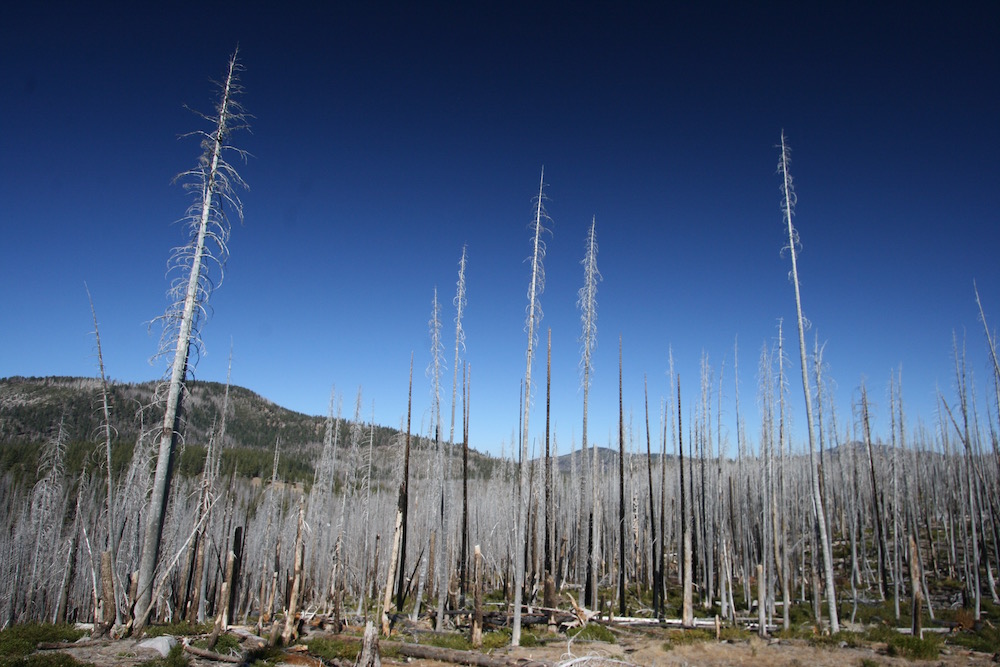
(387, 135)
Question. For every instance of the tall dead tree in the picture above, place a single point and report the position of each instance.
(213, 182)
(788, 208)
(535, 288)
(877, 509)
(621, 489)
(687, 577)
(548, 567)
(463, 563)
(404, 501)
(587, 303)
(652, 507)
(105, 430)
(435, 368)
(460, 302)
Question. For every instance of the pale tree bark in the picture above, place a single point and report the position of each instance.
(779, 499)
(460, 302)
(534, 317)
(548, 567)
(386, 602)
(876, 504)
(788, 208)
(464, 562)
(654, 562)
(106, 429)
(437, 365)
(970, 492)
(587, 302)
(687, 577)
(621, 489)
(404, 501)
(291, 631)
(213, 181)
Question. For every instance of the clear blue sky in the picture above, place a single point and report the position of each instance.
(387, 135)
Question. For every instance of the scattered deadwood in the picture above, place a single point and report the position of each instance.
(459, 657)
(212, 655)
(583, 615)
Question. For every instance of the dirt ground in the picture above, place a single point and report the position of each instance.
(636, 650)
(649, 651)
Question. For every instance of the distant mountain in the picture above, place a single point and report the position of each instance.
(32, 408)
(606, 456)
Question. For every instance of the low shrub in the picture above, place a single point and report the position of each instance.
(334, 649)
(20, 640)
(593, 632)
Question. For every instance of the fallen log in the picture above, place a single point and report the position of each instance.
(459, 657)
(447, 654)
(212, 655)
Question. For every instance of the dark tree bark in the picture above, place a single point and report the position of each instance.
(404, 501)
(652, 509)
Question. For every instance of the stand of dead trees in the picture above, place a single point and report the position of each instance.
(699, 524)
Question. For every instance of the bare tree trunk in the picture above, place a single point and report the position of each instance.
(778, 519)
(405, 499)
(876, 504)
(464, 562)
(587, 302)
(549, 565)
(916, 611)
(386, 602)
(818, 501)
(477, 615)
(370, 655)
(290, 631)
(652, 507)
(761, 603)
(534, 315)
(214, 176)
(687, 604)
(107, 592)
(106, 433)
(225, 596)
(621, 489)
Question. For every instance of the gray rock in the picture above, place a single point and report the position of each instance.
(161, 645)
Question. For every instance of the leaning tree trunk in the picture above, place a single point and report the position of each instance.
(788, 207)
(214, 179)
(534, 316)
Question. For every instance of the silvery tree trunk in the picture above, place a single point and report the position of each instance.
(534, 317)
(404, 501)
(687, 603)
(788, 207)
(212, 181)
(105, 430)
(621, 489)
(587, 302)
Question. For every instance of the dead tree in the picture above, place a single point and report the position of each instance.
(788, 208)
(213, 181)
(536, 285)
